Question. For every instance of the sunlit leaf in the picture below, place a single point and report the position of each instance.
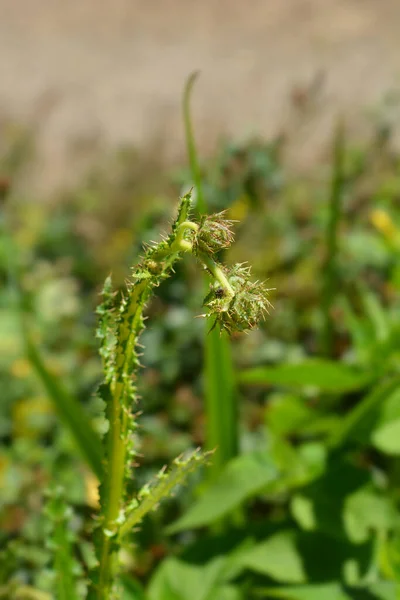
(325, 375)
(242, 478)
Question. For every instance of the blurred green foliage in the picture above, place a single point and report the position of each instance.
(311, 504)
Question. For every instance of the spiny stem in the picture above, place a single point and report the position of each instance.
(124, 325)
(155, 266)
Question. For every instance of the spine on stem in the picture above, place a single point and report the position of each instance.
(236, 304)
(119, 329)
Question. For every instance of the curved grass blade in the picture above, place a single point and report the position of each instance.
(68, 408)
(220, 389)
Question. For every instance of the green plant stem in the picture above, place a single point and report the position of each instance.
(118, 404)
(218, 274)
(220, 390)
(330, 271)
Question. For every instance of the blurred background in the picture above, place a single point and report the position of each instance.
(112, 72)
(295, 115)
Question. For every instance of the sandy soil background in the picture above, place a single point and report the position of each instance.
(116, 68)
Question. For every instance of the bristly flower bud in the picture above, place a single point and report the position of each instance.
(214, 234)
(246, 308)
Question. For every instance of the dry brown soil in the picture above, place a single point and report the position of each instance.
(117, 67)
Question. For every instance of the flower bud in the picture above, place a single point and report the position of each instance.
(246, 308)
(214, 234)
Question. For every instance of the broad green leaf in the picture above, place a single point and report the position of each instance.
(320, 505)
(328, 591)
(325, 375)
(278, 557)
(227, 592)
(362, 512)
(299, 464)
(367, 511)
(387, 438)
(390, 410)
(302, 509)
(332, 591)
(359, 422)
(385, 590)
(177, 580)
(287, 413)
(242, 478)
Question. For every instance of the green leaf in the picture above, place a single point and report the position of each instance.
(385, 590)
(332, 591)
(366, 511)
(325, 375)
(278, 557)
(361, 334)
(228, 592)
(177, 580)
(131, 589)
(161, 488)
(387, 438)
(69, 409)
(328, 591)
(221, 401)
(242, 478)
(359, 422)
(320, 506)
(376, 314)
(299, 464)
(287, 414)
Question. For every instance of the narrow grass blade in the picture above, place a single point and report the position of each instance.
(70, 411)
(191, 145)
(220, 392)
(221, 401)
(359, 419)
(68, 408)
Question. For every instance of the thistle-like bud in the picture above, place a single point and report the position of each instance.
(246, 308)
(214, 233)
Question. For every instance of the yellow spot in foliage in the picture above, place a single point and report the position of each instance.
(4, 465)
(239, 209)
(20, 368)
(384, 224)
(92, 490)
(31, 416)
